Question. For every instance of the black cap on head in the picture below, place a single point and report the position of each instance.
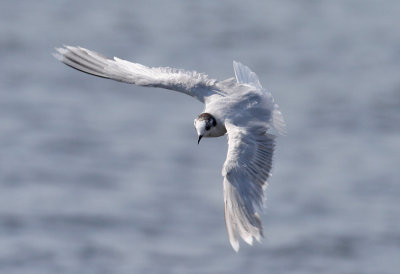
(208, 118)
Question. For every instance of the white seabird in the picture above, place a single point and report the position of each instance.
(238, 106)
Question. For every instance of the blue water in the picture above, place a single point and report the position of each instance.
(103, 177)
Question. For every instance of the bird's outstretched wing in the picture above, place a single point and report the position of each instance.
(195, 84)
(246, 170)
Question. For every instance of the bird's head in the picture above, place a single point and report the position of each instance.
(204, 124)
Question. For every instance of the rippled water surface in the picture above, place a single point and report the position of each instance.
(102, 177)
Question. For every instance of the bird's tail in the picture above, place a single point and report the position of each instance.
(244, 75)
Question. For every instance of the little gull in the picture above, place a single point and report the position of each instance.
(238, 106)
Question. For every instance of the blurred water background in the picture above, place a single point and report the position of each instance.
(98, 176)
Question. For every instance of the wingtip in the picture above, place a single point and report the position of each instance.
(235, 246)
(59, 54)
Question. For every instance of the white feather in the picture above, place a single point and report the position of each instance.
(195, 84)
(246, 170)
(240, 106)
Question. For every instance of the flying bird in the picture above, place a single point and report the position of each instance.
(239, 107)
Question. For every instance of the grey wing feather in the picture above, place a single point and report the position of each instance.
(245, 172)
(195, 84)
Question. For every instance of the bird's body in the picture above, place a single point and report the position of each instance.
(238, 106)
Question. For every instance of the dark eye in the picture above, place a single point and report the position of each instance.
(214, 123)
(207, 127)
